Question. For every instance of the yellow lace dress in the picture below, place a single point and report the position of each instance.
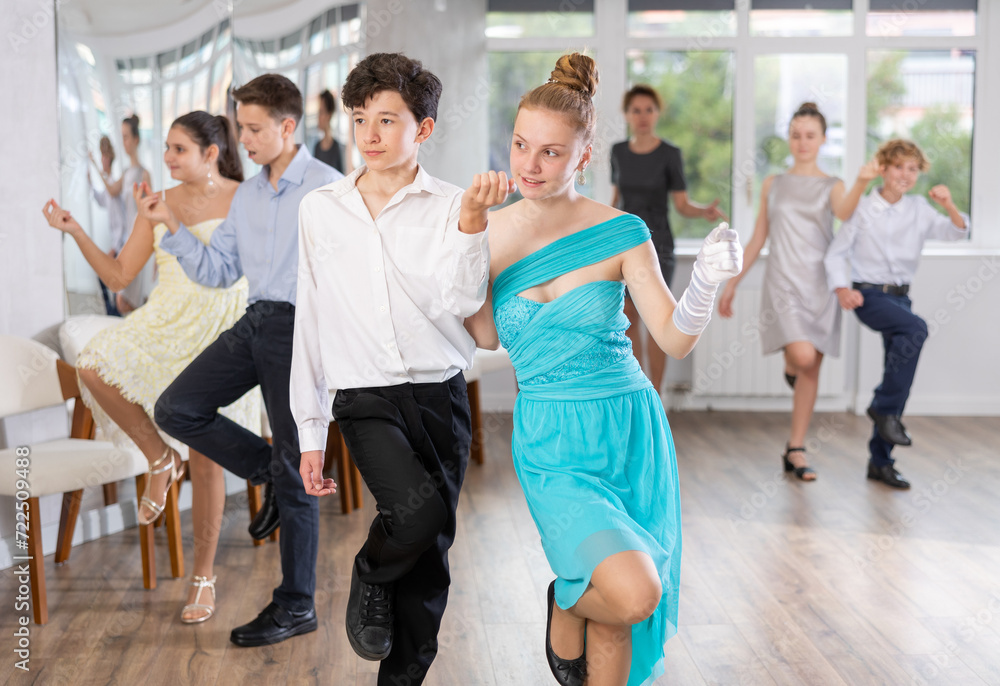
(143, 354)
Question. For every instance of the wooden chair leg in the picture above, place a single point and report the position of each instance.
(476, 446)
(274, 534)
(253, 502)
(172, 515)
(110, 494)
(355, 479)
(148, 551)
(36, 564)
(67, 524)
(336, 450)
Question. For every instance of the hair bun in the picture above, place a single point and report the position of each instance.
(578, 72)
(808, 107)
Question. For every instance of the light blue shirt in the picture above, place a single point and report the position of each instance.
(883, 240)
(260, 235)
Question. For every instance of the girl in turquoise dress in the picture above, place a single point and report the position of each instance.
(591, 443)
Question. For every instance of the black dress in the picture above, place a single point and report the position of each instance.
(645, 183)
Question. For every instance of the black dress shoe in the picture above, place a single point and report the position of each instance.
(370, 618)
(273, 625)
(267, 518)
(566, 672)
(890, 428)
(888, 475)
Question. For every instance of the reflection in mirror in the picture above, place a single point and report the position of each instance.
(115, 62)
(316, 54)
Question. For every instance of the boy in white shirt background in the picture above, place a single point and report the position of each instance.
(391, 262)
(883, 241)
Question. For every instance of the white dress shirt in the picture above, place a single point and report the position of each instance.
(883, 240)
(381, 302)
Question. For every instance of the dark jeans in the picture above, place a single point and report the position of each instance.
(411, 445)
(257, 350)
(110, 304)
(903, 335)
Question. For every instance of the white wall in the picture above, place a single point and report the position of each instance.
(30, 252)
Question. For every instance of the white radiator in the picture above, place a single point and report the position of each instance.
(728, 363)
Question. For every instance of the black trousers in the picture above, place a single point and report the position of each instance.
(257, 350)
(411, 445)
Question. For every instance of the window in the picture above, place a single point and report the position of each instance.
(924, 18)
(654, 18)
(539, 18)
(782, 83)
(697, 93)
(512, 74)
(926, 96)
(801, 18)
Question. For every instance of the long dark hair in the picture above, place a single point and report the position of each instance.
(206, 130)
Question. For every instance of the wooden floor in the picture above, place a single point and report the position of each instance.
(842, 581)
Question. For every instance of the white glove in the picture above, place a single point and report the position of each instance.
(720, 258)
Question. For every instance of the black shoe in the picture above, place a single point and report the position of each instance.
(566, 672)
(801, 472)
(790, 380)
(267, 518)
(273, 625)
(890, 428)
(370, 618)
(888, 475)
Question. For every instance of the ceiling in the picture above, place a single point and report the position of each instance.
(121, 17)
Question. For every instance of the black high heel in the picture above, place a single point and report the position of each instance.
(566, 672)
(800, 472)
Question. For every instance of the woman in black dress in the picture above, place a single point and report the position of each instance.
(647, 172)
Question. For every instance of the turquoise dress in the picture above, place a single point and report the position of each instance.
(591, 444)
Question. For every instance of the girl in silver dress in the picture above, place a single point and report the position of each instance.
(799, 314)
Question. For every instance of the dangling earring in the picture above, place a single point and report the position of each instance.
(210, 182)
(581, 179)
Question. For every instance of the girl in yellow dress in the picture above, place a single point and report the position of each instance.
(125, 368)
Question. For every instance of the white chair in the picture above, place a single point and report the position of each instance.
(33, 377)
(484, 362)
(74, 334)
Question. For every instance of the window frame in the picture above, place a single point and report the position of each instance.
(612, 42)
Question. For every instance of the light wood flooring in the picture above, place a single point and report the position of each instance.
(842, 581)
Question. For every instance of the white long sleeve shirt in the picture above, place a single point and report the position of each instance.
(883, 240)
(381, 302)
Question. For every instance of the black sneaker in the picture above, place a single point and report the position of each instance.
(370, 618)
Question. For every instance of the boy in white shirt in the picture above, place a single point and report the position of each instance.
(883, 241)
(391, 262)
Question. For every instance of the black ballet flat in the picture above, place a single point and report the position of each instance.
(566, 672)
(800, 472)
(790, 380)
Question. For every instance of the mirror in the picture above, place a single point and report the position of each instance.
(166, 59)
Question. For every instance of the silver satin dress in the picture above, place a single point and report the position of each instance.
(796, 303)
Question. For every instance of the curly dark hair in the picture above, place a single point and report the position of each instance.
(385, 71)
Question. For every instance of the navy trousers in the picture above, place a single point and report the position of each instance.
(411, 445)
(256, 351)
(903, 336)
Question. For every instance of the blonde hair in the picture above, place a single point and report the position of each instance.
(891, 151)
(570, 91)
